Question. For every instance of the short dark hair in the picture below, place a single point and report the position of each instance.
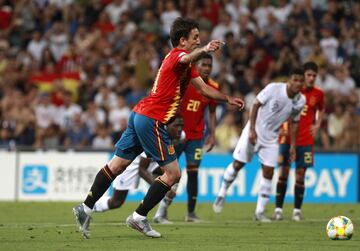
(181, 27)
(311, 66)
(297, 71)
(206, 56)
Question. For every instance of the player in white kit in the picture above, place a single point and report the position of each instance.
(275, 104)
(141, 167)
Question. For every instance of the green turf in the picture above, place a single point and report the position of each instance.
(50, 226)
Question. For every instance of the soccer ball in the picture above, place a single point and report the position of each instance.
(340, 228)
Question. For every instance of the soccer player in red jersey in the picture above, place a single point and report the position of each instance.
(146, 126)
(309, 126)
(192, 109)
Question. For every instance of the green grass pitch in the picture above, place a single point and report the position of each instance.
(50, 226)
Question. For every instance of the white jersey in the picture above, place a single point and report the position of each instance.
(276, 108)
(129, 179)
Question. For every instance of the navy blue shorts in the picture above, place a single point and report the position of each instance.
(304, 156)
(193, 151)
(148, 135)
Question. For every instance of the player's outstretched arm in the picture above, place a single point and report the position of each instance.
(212, 93)
(253, 115)
(212, 46)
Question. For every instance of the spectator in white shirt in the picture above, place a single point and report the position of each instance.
(105, 98)
(237, 9)
(118, 117)
(67, 111)
(115, 9)
(93, 116)
(262, 13)
(329, 45)
(168, 16)
(102, 140)
(225, 26)
(36, 46)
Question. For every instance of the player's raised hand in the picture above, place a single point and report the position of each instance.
(236, 101)
(213, 45)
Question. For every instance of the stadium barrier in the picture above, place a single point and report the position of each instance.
(67, 176)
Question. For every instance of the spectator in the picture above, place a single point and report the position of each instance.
(336, 125)
(150, 25)
(329, 45)
(45, 114)
(77, 134)
(104, 25)
(102, 140)
(118, 117)
(67, 112)
(353, 64)
(210, 11)
(36, 46)
(115, 9)
(227, 134)
(5, 138)
(262, 62)
(52, 137)
(58, 40)
(105, 98)
(351, 128)
(262, 13)
(225, 26)
(93, 117)
(237, 9)
(168, 16)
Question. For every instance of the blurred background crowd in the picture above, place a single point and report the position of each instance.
(71, 70)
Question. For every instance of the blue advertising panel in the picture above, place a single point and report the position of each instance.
(334, 179)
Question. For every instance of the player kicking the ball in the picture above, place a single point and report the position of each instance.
(309, 125)
(192, 109)
(146, 127)
(275, 104)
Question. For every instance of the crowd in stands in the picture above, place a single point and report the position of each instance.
(71, 70)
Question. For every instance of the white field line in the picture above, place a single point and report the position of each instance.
(176, 223)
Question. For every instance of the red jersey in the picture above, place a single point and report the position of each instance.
(192, 110)
(169, 87)
(314, 101)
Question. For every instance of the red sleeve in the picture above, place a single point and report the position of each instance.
(176, 56)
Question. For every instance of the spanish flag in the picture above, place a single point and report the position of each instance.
(46, 82)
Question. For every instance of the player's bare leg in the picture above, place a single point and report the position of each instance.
(115, 201)
(299, 193)
(280, 192)
(264, 194)
(228, 178)
(137, 220)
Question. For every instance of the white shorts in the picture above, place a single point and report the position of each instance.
(244, 150)
(130, 178)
